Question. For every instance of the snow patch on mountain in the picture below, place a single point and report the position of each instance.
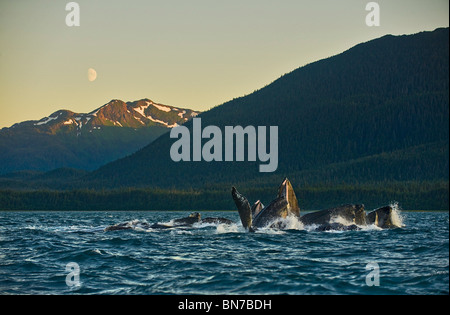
(137, 114)
(162, 122)
(141, 109)
(163, 108)
(46, 120)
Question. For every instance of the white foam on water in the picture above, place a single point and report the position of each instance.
(292, 223)
(181, 232)
(169, 223)
(396, 217)
(341, 220)
(311, 227)
(229, 228)
(370, 227)
(180, 258)
(279, 226)
(33, 227)
(269, 230)
(200, 224)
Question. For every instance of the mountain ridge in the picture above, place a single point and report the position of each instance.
(69, 139)
(117, 113)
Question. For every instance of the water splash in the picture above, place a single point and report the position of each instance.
(291, 222)
(396, 217)
(229, 228)
(341, 220)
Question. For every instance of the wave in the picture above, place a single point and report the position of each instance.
(66, 229)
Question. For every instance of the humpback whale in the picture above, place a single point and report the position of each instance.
(383, 218)
(351, 213)
(194, 217)
(188, 221)
(286, 204)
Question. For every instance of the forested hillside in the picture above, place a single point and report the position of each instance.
(378, 111)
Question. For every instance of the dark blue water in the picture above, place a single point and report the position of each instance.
(35, 248)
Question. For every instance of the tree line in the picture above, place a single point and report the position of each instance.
(431, 195)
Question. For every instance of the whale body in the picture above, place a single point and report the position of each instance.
(351, 213)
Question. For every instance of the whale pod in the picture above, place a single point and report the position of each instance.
(286, 204)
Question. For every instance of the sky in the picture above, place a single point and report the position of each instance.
(195, 54)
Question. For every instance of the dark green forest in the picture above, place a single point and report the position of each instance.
(409, 196)
(384, 100)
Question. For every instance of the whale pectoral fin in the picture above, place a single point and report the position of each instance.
(243, 206)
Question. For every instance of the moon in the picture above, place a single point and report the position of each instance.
(92, 74)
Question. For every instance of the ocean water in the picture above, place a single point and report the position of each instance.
(69, 253)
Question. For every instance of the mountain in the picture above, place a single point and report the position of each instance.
(376, 113)
(86, 141)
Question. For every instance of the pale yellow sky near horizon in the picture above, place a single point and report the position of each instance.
(196, 54)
